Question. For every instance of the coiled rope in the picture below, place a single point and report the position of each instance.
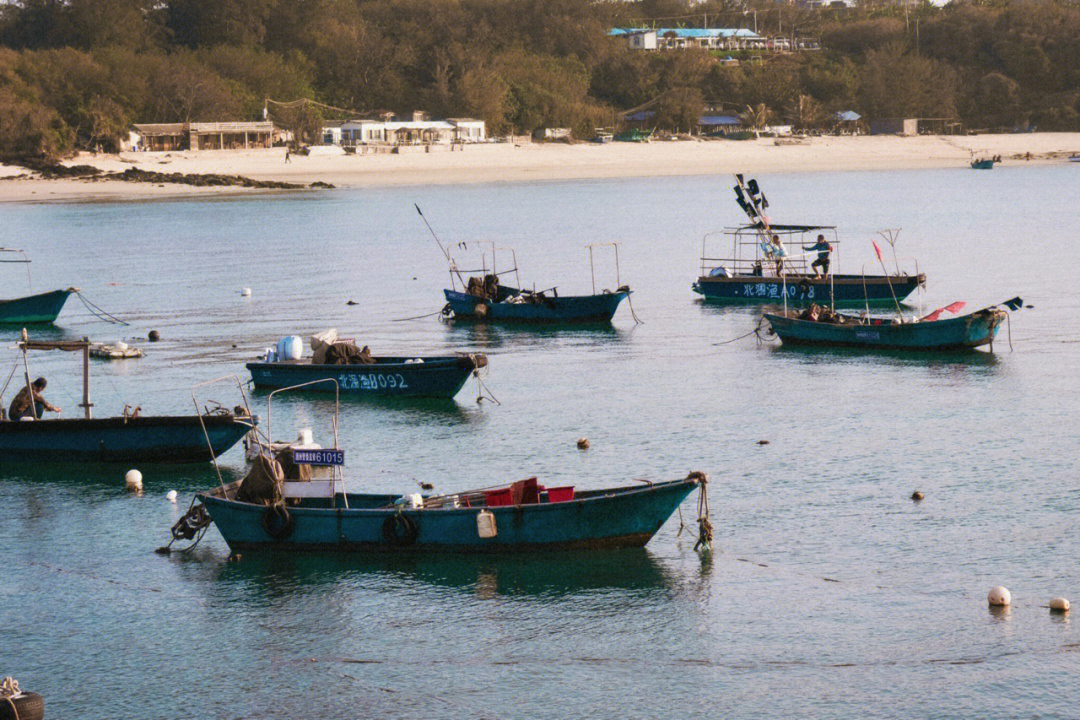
(9, 687)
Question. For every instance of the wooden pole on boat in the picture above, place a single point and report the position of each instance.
(26, 373)
(446, 254)
(86, 404)
(877, 251)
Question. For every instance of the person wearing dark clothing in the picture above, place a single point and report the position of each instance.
(27, 405)
(822, 248)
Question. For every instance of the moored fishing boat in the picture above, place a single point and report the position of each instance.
(485, 298)
(275, 508)
(982, 164)
(131, 437)
(359, 372)
(748, 274)
(817, 326)
(33, 308)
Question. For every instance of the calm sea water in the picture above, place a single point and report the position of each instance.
(830, 593)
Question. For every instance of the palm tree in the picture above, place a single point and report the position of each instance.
(756, 118)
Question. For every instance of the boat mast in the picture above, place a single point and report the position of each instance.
(86, 404)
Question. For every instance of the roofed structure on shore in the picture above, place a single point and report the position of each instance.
(204, 136)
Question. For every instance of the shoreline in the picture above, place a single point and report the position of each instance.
(529, 162)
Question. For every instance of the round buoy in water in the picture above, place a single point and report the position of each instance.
(583, 443)
(917, 496)
(762, 442)
(999, 596)
(133, 480)
(171, 496)
(1059, 604)
(245, 292)
(154, 336)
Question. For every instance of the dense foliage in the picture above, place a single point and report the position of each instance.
(76, 73)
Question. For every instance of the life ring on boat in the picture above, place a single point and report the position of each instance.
(400, 530)
(25, 706)
(278, 522)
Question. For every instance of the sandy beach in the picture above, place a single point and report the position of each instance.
(525, 161)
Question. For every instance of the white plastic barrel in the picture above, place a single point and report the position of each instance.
(485, 524)
(290, 348)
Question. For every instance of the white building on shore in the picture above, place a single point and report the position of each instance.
(418, 131)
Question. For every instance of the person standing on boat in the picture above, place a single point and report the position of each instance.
(776, 252)
(26, 406)
(822, 248)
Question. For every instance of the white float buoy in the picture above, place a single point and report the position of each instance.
(171, 496)
(1059, 604)
(245, 292)
(999, 596)
(133, 480)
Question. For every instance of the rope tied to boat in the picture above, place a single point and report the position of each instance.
(9, 687)
(481, 386)
(191, 526)
(98, 312)
(705, 527)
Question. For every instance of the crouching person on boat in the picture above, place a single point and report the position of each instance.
(26, 406)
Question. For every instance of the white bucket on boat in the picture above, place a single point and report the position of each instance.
(290, 348)
(121, 346)
(305, 437)
(485, 524)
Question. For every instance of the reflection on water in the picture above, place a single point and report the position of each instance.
(518, 335)
(632, 570)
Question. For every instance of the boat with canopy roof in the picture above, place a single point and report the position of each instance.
(749, 273)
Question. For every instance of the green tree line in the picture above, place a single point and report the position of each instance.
(76, 73)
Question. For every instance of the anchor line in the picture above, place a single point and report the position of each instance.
(98, 312)
(418, 317)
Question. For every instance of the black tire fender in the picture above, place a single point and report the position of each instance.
(27, 706)
(400, 530)
(278, 522)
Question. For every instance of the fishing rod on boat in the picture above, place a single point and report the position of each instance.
(446, 253)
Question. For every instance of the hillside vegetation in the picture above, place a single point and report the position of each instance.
(75, 73)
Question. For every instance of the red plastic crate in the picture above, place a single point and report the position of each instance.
(560, 494)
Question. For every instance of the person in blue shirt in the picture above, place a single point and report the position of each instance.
(774, 250)
(822, 248)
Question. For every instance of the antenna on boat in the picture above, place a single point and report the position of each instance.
(446, 254)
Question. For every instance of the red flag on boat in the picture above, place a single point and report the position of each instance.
(953, 308)
(878, 251)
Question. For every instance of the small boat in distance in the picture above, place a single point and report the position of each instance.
(485, 298)
(272, 509)
(30, 309)
(748, 274)
(822, 327)
(983, 164)
(130, 437)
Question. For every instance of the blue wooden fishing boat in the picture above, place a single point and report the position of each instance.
(838, 330)
(128, 438)
(423, 376)
(751, 272)
(983, 164)
(294, 498)
(33, 308)
(367, 523)
(485, 298)
(173, 439)
(513, 305)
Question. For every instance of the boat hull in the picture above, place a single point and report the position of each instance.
(620, 517)
(982, 165)
(436, 377)
(177, 439)
(962, 333)
(42, 308)
(555, 309)
(841, 290)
